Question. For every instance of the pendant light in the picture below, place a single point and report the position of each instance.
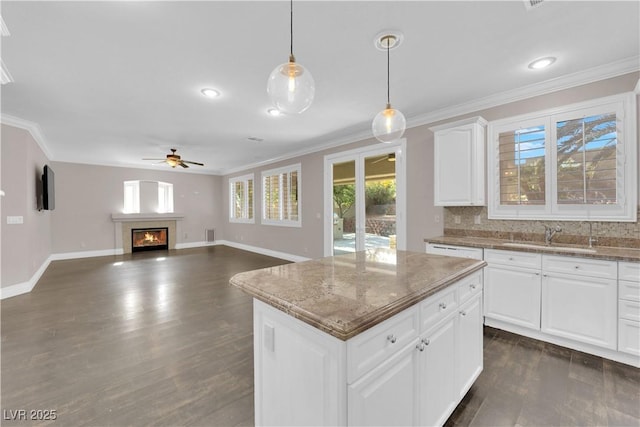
(389, 124)
(291, 86)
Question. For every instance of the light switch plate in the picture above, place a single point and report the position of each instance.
(15, 219)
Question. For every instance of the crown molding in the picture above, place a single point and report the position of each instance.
(591, 75)
(5, 75)
(4, 30)
(33, 129)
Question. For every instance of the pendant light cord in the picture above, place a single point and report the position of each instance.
(388, 97)
(291, 29)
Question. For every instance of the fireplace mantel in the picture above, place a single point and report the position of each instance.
(123, 223)
(122, 217)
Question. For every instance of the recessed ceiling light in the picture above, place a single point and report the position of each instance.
(274, 112)
(542, 63)
(210, 93)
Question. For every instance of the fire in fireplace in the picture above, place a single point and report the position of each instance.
(149, 239)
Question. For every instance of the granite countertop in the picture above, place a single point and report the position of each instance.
(345, 295)
(598, 252)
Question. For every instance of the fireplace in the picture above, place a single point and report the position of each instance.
(149, 239)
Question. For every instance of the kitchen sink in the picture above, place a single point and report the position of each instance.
(550, 248)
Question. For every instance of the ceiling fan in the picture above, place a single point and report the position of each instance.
(391, 157)
(174, 160)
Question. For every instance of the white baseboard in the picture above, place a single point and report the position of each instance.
(263, 251)
(194, 245)
(85, 254)
(25, 287)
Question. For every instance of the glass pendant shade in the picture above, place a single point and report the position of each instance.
(389, 125)
(291, 87)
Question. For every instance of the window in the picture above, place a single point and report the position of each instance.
(241, 199)
(131, 197)
(165, 197)
(572, 163)
(281, 196)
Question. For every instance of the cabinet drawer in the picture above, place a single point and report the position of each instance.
(580, 266)
(437, 307)
(457, 251)
(629, 271)
(628, 290)
(469, 286)
(516, 259)
(629, 310)
(370, 348)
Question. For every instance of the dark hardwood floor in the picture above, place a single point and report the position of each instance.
(162, 339)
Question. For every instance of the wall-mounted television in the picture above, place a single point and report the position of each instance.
(48, 189)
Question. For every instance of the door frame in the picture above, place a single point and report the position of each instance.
(400, 148)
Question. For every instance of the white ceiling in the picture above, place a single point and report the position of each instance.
(113, 82)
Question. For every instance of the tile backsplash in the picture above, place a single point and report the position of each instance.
(462, 221)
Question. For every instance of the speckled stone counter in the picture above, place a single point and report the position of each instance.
(599, 252)
(345, 295)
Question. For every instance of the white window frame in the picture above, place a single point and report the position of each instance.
(624, 105)
(244, 179)
(165, 197)
(281, 172)
(131, 196)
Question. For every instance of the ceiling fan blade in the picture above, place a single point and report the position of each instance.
(161, 161)
(153, 159)
(183, 165)
(193, 163)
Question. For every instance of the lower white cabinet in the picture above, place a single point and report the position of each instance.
(426, 359)
(629, 308)
(580, 308)
(469, 345)
(388, 395)
(438, 395)
(512, 294)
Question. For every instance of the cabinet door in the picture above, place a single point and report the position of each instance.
(387, 395)
(512, 295)
(438, 394)
(629, 337)
(580, 308)
(453, 166)
(469, 345)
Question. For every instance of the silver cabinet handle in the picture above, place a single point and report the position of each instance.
(577, 267)
(391, 338)
(463, 313)
(443, 306)
(537, 274)
(473, 286)
(510, 258)
(420, 346)
(426, 341)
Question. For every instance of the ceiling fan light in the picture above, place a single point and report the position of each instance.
(389, 125)
(210, 93)
(538, 64)
(291, 88)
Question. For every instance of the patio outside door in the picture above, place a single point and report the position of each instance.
(364, 199)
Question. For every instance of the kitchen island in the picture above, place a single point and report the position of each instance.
(378, 337)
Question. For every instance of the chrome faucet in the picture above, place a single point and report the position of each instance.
(549, 233)
(592, 239)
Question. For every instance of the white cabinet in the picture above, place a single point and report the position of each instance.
(410, 370)
(388, 394)
(512, 287)
(469, 345)
(459, 157)
(629, 308)
(438, 396)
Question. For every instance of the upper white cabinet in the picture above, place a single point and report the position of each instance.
(459, 156)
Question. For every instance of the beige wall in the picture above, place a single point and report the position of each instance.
(421, 214)
(25, 247)
(87, 195)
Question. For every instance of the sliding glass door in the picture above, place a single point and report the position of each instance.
(364, 199)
